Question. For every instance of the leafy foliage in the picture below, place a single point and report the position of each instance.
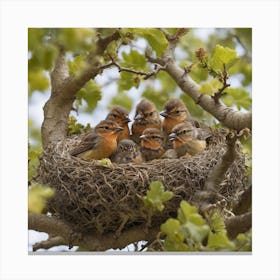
(73, 127)
(238, 97)
(155, 38)
(91, 94)
(187, 231)
(222, 56)
(156, 196)
(191, 232)
(33, 160)
(37, 197)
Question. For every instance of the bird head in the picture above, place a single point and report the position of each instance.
(152, 137)
(119, 115)
(182, 133)
(107, 127)
(175, 109)
(127, 146)
(146, 111)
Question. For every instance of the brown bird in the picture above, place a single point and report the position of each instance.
(151, 144)
(119, 115)
(184, 140)
(127, 151)
(146, 116)
(99, 143)
(174, 112)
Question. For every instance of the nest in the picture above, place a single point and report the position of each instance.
(91, 197)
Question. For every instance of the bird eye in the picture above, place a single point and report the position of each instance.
(177, 112)
(106, 127)
(151, 114)
(184, 131)
(114, 116)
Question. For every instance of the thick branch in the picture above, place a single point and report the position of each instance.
(245, 202)
(238, 224)
(228, 116)
(51, 242)
(217, 175)
(65, 87)
(90, 241)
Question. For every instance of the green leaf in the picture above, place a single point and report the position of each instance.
(156, 196)
(128, 81)
(73, 127)
(222, 56)
(243, 242)
(193, 224)
(216, 223)
(185, 211)
(239, 97)
(211, 87)
(219, 241)
(76, 39)
(173, 230)
(155, 38)
(196, 232)
(134, 60)
(37, 197)
(77, 66)
(37, 80)
(198, 73)
(123, 100)
(175, 246)
(91, 93)
(33, 161)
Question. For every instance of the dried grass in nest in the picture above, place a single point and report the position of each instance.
(94, 198)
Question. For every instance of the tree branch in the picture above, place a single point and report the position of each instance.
(90, 241)
(245, 202)
(51, 242)
(64, 89)
(238, 224)
(228, 116)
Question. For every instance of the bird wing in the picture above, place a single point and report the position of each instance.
(89, 142)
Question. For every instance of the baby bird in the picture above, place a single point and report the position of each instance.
(99, 143)
(119, 115)
(151, 144)
(184, 140)
(146, 117)
(174, 112)
(127, 151)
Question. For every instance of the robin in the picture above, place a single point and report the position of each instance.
(127, 151)
(146, 116)
(174, 112)
(151, 144)
(99, 143)
(184, 140)
(119, 115)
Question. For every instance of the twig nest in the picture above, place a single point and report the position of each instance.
(91, 197)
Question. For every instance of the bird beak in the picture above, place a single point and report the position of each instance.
(172, 136)
(143, 137)
(118, 128)
(127, 120)
(163, 113)
(138, 117)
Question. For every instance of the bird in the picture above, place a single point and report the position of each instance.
(99, 143)
(146, 116)
(127, 151)
(184, 140)
(151, 144)
(120, 115)
(174, 112)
